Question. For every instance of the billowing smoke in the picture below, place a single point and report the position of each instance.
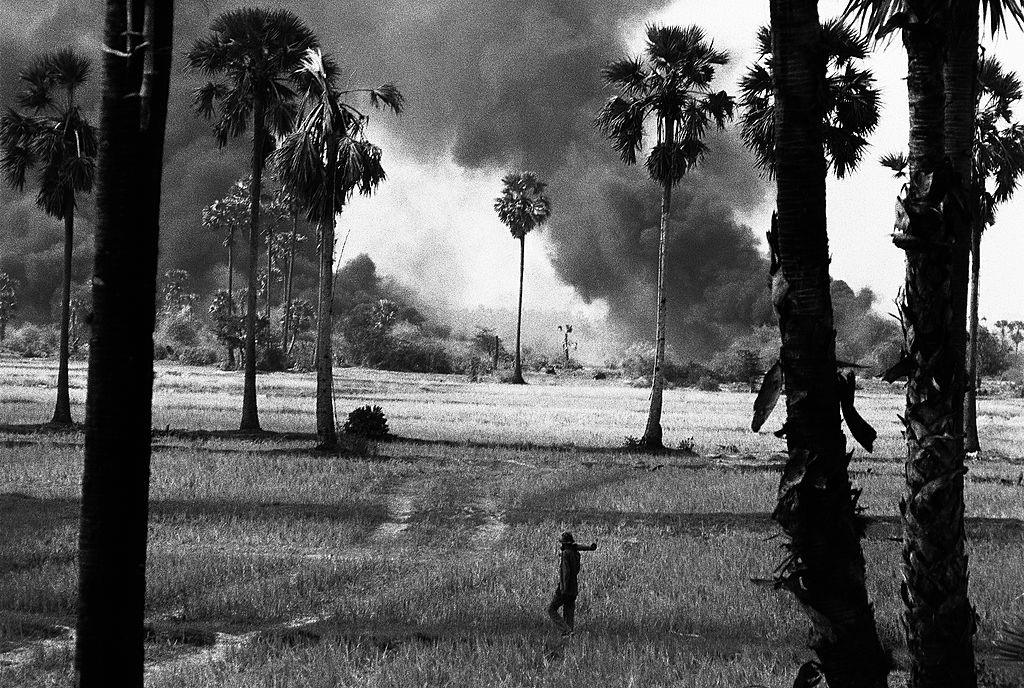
(491, 84)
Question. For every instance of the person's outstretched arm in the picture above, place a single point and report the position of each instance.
(585, 548)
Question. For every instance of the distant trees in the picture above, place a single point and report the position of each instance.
(322, 163)
(670, 83)
(51, 135)
(8, 302)
(522, 207)
(109, 650)
(227, 216)
(257, 54)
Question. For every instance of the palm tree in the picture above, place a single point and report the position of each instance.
(807, 107)
(293, 209)
(933, 228)
(998, 163)
(118, 427)
(228, 215)
(51, 135)
(322, 163)
(257, 52)
(851, 104)
(522, 207)
(670, 83)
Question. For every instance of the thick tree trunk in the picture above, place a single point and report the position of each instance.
(973, 378)
(326, 432)
(517, 374)
(652, 439)
(115, 479)
(250, 415)
(816, 503)
(62, 409)
(939, 620)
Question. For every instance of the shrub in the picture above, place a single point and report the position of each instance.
(197, 356)
(747, 357)
(639, 363)
(34, 341)
(271, 359)
(708, 384)
(368, 422)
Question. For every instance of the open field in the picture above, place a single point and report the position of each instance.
(430, 560)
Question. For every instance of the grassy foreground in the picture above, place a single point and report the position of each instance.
(429, 561)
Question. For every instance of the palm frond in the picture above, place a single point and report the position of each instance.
(622, 121)
(387, 96)
(67, 68)
(897, 162)
(628, 75)
(522, 205)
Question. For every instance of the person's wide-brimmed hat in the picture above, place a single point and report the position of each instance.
(566, 537)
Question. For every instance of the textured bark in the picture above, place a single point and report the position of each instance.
(250, 414)
(939, 619)
(115, 480)
(817, 504)
(62, 409)
(973, 378)
(326, 433)
(652, 439)
(270, 274)
(517, 374)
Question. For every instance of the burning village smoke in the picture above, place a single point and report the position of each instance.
(491, 84)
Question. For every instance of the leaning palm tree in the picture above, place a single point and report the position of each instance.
(322, 163)
(257, 53)
(52, 136)
(670, 83)
(807, 106)
(109, 647)
(522, 207)
(933, 228)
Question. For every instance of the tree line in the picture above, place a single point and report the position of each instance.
(268, 73)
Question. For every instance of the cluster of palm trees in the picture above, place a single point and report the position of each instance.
(269, 74)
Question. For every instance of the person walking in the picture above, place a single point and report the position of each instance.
(568, 586)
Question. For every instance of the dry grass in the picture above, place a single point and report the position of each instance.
(431, 563)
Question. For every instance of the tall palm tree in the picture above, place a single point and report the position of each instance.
(228, 215)
(293, 210)
(53, 137)
(256, 52)
(671, 83)
(522, 207)
(933, 228)
(115, 479)
(807, 107)
(998, 163)
(322, 163)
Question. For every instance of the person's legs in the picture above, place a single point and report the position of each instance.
(556, 602)
(569, 609)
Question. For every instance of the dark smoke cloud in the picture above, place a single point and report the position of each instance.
(492, 85)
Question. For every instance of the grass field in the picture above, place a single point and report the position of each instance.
(430, 559)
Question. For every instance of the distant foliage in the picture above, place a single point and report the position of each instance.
(995, 356)
(34, 341)
(638, 362)
(368, 422)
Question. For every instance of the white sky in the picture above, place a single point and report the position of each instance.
(452, 206)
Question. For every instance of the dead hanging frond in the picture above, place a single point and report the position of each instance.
(767, 396)
(859, 428)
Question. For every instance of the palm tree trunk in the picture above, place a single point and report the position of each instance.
(62, 410)
(327, 434)
(286, 327)
(651, 440)
(939, 620)
(270, 273)
(115, 479)
(517, 374)
(250, 415)
(816, 503)
(231, 291)
(973, 378)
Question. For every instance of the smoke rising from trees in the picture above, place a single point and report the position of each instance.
(493, 85)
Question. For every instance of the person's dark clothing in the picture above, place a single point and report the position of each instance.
(568, 586)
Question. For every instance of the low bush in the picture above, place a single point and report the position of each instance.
(368, 422)
(34, 341)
